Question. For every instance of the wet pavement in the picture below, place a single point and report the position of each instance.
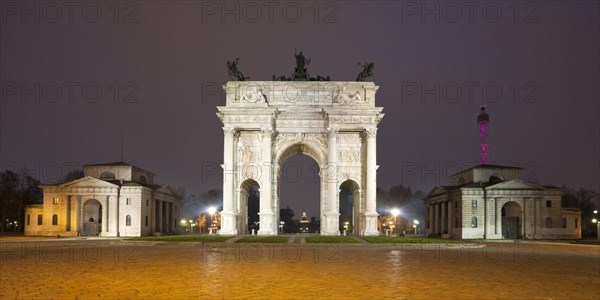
(127, 269)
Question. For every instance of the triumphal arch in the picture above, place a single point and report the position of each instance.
(266, 122)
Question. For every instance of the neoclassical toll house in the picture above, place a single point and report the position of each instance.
(266, 122)
(491, 202)
(113, 199)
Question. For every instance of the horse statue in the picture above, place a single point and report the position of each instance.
(233, 72)
(367, 72)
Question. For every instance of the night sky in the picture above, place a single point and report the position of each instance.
(157, 63)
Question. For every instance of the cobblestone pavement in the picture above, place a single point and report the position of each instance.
(125, 269)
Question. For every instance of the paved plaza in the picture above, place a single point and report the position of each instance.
(113, 268)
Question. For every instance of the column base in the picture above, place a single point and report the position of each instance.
(330, 226)
(371, 224)
(266, 232)
(228, 223)
(112, 233)
(266, 219)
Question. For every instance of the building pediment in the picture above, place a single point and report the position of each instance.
(437, 190)
(515, 185)
(88, 181)
(166, 189)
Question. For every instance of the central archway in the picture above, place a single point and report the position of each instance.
(511, 220)
(91, 218)
(292, 173)
(334, 123)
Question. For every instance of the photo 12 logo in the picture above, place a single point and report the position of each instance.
(441, 172)
(469, 92)
(69, 92)
(269, 12)
(470, 12)
(258, 252)
(69, 12)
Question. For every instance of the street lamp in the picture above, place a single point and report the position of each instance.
(595, 221)
(415, 225)
(395, 213)
(211, 211)
(346, 225)
(281, 223)
(183, 223)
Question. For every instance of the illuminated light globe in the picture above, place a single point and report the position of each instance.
(212, 210)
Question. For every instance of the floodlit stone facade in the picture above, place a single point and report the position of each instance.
(266, 122)
(491, 202)
(114, 199)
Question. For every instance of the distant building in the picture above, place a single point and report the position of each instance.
(113, 199)
(491, 202)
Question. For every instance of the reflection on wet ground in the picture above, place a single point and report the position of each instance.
(125, 269)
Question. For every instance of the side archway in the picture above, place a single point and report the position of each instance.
(350, 208)
(249, 206)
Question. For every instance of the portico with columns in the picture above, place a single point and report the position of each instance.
(492, 202)
(266, 122)
(114, 199)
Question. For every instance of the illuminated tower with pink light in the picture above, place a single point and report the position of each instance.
(484, 148)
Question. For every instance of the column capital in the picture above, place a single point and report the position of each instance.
(371, 133)
(231, 132)
(333, 132)
(267, 131)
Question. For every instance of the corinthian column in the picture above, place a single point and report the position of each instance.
(371, 214)
(228, 214)
(267, 216)
(332, 214)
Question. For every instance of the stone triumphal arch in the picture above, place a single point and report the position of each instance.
(333, 122)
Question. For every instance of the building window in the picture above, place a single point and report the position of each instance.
(564, 222)
(128, 220)
(146, 221)
(28, 219)
(55, 220)
(548, 203)
(474, 222)
(474, 202)
(55, 200)
(108, 175)
(39, 219)
(456, 222)
(548, 222)
(128, 201)
(143, 179)
(576, 223)
(455, 205)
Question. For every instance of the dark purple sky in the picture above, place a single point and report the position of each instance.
(547, 51)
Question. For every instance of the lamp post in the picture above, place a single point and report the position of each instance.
(346, 225)
(415, 225)
(211, 212)
(594, 220)
(395, 213)
(183, 223)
